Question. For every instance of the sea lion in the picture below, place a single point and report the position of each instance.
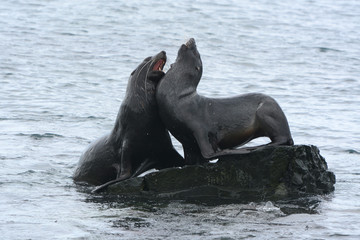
(209, 127)
(139, 140)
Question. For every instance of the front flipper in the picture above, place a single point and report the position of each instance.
(209, 147)
(144, 166)
(193, 154)
(104, 186)
(125, 164)
(125, 169)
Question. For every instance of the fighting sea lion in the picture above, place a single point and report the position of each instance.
(212, 127)
(139, 140)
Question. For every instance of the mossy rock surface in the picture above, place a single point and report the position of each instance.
(271, 173)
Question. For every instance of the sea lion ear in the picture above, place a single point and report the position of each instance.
(155, 76)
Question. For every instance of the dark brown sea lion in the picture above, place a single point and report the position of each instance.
(208, 127)
(139, 140)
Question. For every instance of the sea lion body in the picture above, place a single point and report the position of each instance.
(213, 127)
(99, 163)
(139, 140)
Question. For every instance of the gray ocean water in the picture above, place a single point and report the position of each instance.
(64, 67)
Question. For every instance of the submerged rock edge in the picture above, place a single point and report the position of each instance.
(271, 173)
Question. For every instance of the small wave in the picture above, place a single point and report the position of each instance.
(45, 135)
(2, 157)
(28, 172)
(352, 151)
(38, 136)
(10, 119)
(93, 117)
(325, 49)
(66, 34)
(269, 207)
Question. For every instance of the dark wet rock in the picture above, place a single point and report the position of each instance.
(271, 173)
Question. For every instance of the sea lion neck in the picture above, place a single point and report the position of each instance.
(180, 84)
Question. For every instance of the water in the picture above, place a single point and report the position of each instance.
(63, 72)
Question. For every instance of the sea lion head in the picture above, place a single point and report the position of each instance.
(188, 62)
(150, 69)
(156, 66)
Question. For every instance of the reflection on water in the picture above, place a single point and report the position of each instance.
(204, 219)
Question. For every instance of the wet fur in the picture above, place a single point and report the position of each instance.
(209, 127)
(138, 141)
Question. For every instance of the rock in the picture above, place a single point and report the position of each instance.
(271, 173)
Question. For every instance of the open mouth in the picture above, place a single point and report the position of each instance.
(159, 65)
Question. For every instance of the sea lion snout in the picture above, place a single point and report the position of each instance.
(190, 43)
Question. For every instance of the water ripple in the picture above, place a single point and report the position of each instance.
(40, 136)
